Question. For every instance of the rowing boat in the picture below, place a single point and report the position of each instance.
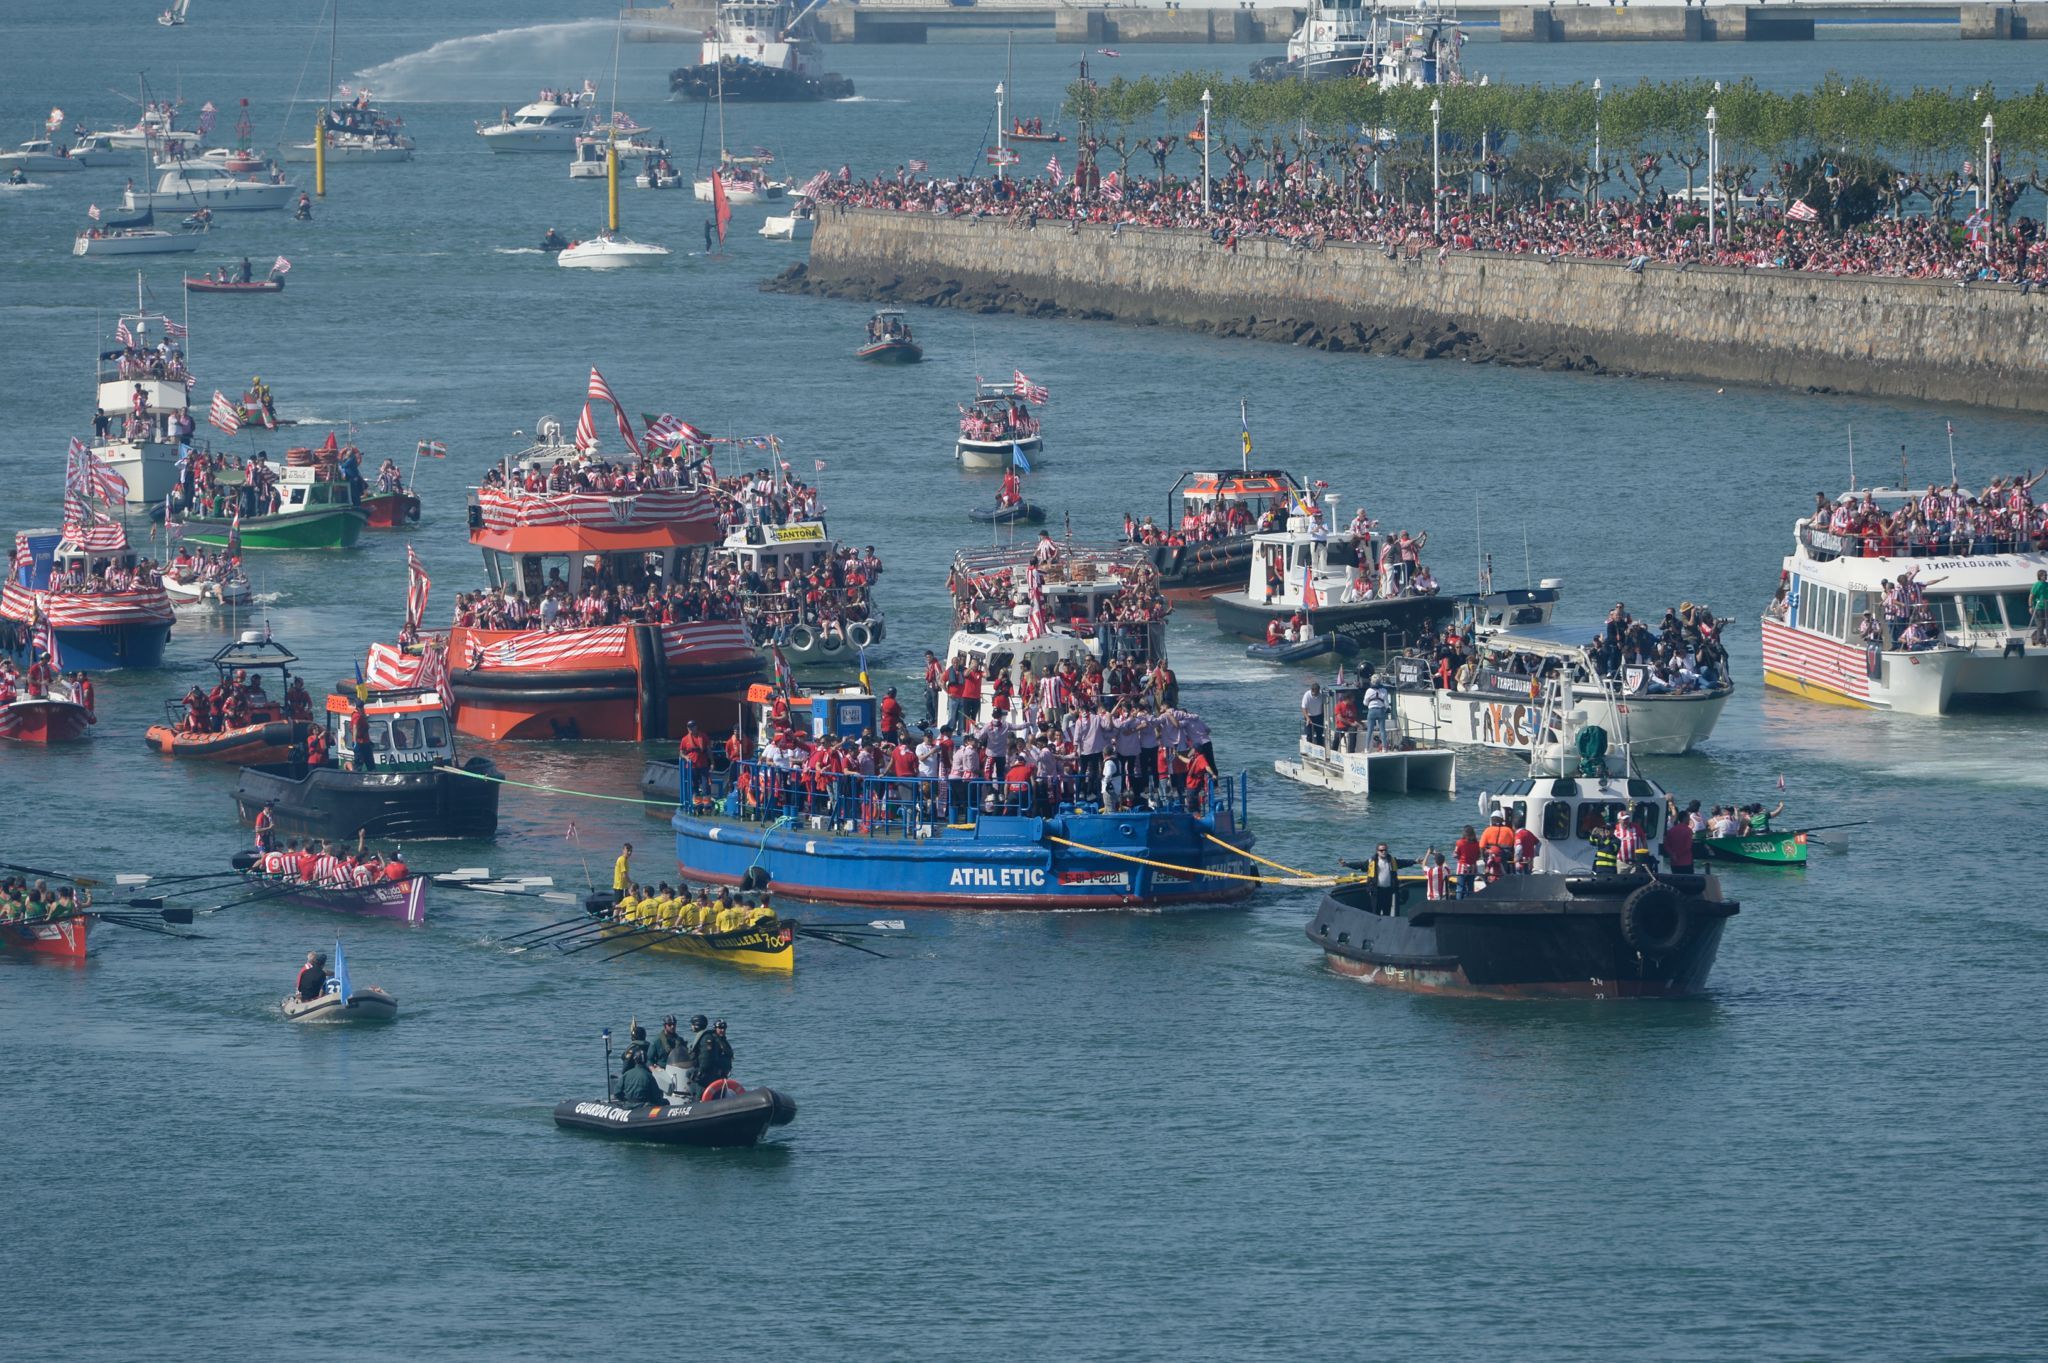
(1768, 849)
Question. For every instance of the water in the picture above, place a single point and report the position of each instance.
(1043, 1135)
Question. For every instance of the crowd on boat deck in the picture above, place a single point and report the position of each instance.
(105, 576)
(204, 565)
(318, 862)
(21, 901)
(239, 699)
(1220, 520)
(1303, 209)
(683, 909)
(1680, 655)
(990, 598)
(607, 477)
(997, 419)
(826, 598)
(764, 497)
(41, 680)
(1941, 522)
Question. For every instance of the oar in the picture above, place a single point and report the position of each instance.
(49, 875)
(884, 924)
(1829, 827)
(580, 922)
(661, 935)
(556, 939)
(602, 938)
(811, 934)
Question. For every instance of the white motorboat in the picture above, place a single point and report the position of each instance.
(97, 149)
(610, 251)
(144, 397)
(996, 429)
(551, 123)
(134, 241)
(744, 184)
(1970, 638)
(588, 162)
(41, 154)
(195, 184)
(234, 160)
(362, 148)
(663, 176)
(198, 590)
(761, 50)
(795, 225)
(155, 130)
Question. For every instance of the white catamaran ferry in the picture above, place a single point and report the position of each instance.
(1973, 644)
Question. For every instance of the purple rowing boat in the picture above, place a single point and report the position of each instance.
(404, 899)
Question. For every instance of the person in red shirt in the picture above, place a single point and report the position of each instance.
(1527, 846)
(892, 717)
(694, 751)
(1465, 856)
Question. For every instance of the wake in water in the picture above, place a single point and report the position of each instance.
(517, 250)
(495, 66)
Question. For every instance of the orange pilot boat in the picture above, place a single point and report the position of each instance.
(591, 626)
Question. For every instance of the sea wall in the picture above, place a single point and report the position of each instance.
(1987, 344)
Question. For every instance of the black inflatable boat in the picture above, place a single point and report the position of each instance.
(739, 1118)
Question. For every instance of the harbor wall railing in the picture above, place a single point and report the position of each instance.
(1986, 344)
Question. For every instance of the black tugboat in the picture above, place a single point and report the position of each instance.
(1241, 501)
(760, 50)
(412, 789)
(1568, 930)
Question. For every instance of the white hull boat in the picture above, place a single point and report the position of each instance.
(742, 193)
(658, 181)
(788, 227)
(611, 253)
(1665, 725)
(1398, 771)
(990, 456)
(202, 186)
(368, 1004)
(357, 150)
(145, 241)
(198, 592)
(39, 156)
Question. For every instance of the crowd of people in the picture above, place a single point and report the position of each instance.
(1942, 522)
(828, 598)
(991, 421)
(104, 576)
(237, 700)
(41, 680)
(1305, 208)
(704, 1058)
(1680, 654)
(21, 901)
(1055, 589)
(682, 909)
(318, 862)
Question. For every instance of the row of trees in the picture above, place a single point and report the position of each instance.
(1854, 146)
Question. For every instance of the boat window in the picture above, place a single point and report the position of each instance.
(1649, 818)
(1980, 609)
(1517, 812)
(437, 731)
(298, 497)
(380, 734)
(1557, 821)
(405, 732)
(2016, 613)
(1945, 611)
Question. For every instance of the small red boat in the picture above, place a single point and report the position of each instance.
(45, 719)
(391, 510)
(205, 285)
(62, 937)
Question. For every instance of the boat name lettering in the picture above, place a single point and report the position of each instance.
(1826, 542)
(994, 877)
(604, 1110)
(1119, 879)
(1988, 561)
(785, 533)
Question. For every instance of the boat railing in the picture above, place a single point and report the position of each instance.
(912, 806)
(1826, 545)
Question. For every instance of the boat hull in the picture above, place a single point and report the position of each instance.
(1192, 572)
(1399, 771)
(752, 83)
(991, 456)
(390, 510)
(1665, 725)
(65, 938)
(327, 802)
(720, 1123)
(383, 154)
(1018, 513)
(1400, 617)
(633, 692)
(1930, 682)
(193, 285)
(339, 527)
(154, 244)
(402, 900)
(250, 745)
(891, 352)
(1763, 849)
(364, 1005)
(1532, 937)
(1303, 650)
(770, 947)
(45, 721)
(243, 196)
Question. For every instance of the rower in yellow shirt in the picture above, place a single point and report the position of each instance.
(628, 901)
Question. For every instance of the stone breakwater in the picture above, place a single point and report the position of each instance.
(1986, 344)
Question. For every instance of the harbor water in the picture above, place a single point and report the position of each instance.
(1115, 1136)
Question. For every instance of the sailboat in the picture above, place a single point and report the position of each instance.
(744, 181)
(174, 17)
(611, 249)
(1023, 129)
(593, 149)
(356, 131)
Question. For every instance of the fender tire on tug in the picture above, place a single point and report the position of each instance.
(1653, 919)
(859, 635)
(802, 639)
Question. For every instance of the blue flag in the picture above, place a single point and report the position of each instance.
(340, 976)
(1017, 454)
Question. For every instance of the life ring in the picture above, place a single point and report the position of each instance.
(722, 1088)
(859, 635)
(1653, 919)
(802, 639)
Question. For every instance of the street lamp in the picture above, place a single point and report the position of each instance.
(1205, 149)
(1713, 165)
(1436, 166)
(1984, 184)
(1599, 96)
(1000, 158)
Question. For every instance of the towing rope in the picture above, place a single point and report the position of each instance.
(554, 790)
(1259, 859)
(1301, 882)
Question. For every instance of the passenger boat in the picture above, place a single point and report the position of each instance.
(551, 123)
(734, 1117)
(342, 1000)
(41, 155)
(58, 717)
(907, 843)
(314, 512)
(93, 630)
(1205, 545)
(1018, 133)
(1080, 594)
(271, 731)
(745, 181)
(93, 150)
(774, 554)
(996, 429)
(144, 395)
(1767, 849)
(760, 50)
(629, 681)
(413, 789)
(1354, 40)
(197, 184)
(1330, 580)
(390, 510)
(889, 340)
(64, 937)
(1980, 651)
(1519, 664)
(189, 587)
(1566, 930)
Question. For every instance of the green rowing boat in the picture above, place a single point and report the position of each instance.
(1769, 849)
(324, 527)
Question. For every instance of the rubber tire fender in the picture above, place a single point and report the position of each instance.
(859, 635)
(1649, 908)
(802, 639)
(830, 643)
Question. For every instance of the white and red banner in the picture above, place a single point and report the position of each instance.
(600, 391)
(98, 610)
(1029, 391)
(222, 413)
(417, 584)
(695, 510)
(695, 642)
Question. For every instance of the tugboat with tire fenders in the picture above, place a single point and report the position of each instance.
(763, 51)
(1577, 925)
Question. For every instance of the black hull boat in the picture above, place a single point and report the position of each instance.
(1203, 568)
(327, 802)
(746, 81)
(1532, 936)
(1016, 513)
(1400, 616)
(738, 1119)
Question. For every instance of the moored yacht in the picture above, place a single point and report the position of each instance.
(196, 184)
(41, 155)
(551, 123)
(998, 430)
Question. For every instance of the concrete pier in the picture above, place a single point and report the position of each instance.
(1899, 338)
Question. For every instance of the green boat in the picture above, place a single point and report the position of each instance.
(314, 513)
(1768, 849)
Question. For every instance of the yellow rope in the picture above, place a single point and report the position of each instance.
(1191, 870)
(554, 790)
(1261, 860)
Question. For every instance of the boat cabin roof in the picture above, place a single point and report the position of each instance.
(253, 650)
(1247, 485)
(1550, 639)
(401, 702)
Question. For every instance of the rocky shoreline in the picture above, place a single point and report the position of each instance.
(1421, 339)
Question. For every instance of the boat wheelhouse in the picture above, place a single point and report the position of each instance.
(631, 680)
(42, 155)
(995, 429)
(142, 387)
(84, 583)
(1518, 669)
(1205, 544)
(1973, 642)
(760, 50)
(196, 184)
(551, 123)
(588, 161)
(1337, 39)
(771, 560)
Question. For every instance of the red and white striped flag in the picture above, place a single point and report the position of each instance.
(1113, 187)
(1029, 391)
(102, 480)
(40, 640)
(586, 432)
(24, 557)
(280, 266)
(600, 391)
(1035, 626)
(666, 431)
(1052, 167)
(1799, 210)
(818, 465)
(815, 186)
(206, 116)
(174, 330)
(93, 212)
(417, 585)
(235, 532)
(122, 334)
(222, 413)
(917, 167)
